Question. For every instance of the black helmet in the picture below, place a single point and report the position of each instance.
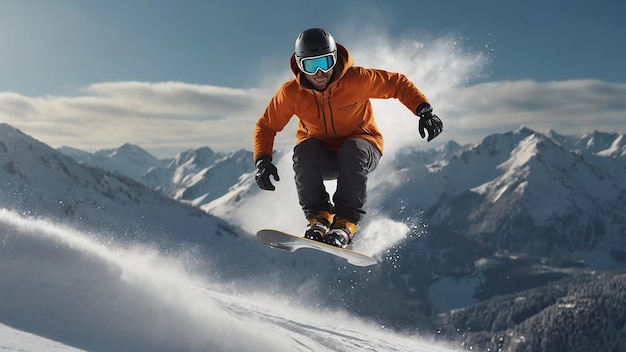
(314, 42)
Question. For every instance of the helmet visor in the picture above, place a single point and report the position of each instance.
(310, 65)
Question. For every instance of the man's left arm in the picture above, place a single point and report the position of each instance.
(386, 85)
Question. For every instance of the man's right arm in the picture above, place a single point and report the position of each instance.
(277, 114)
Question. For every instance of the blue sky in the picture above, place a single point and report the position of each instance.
(172, 75)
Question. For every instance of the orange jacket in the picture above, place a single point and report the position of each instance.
(340, 112)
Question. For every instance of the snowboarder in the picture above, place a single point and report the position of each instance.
(337, 137)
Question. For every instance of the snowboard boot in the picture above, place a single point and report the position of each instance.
(318, 226)
(341, 233)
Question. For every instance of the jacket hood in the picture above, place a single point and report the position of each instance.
(344, 61)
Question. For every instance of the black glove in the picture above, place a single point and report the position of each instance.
(265, 168)
(428, 121)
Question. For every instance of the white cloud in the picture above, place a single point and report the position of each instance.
(168, 117)
(159, 116)
(176, 98)
(569, 107)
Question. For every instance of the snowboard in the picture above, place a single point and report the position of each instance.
(288, 242)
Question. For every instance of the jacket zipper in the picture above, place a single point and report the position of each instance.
(321, 115)
(330, 108)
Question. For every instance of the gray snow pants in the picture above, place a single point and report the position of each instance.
(313, 163)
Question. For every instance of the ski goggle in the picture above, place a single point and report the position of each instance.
(310, 65)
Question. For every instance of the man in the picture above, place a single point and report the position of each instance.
(337, 137)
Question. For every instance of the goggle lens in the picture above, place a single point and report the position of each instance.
(310, 65)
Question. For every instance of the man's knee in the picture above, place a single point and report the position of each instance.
(358, 149)
(308, 148)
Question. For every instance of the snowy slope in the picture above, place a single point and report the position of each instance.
(88, 295)
(15, 340)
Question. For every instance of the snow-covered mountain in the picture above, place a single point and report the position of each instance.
(528, 193)
(195, 176)
(456, 229)
(515, 212)
(41, 182)
(128, 160)
(517, 191)
(596, 143)
(200, 176)
(84, 250)
(187, 163)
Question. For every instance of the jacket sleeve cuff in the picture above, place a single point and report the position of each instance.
(263, 160)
